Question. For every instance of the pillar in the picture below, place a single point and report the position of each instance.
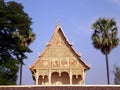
(70, 76)
(49, 77)
(37, 77)
(83, 77)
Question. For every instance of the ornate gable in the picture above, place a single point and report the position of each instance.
(59, 53)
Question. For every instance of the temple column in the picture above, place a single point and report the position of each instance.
(37, 77)
(83, 77)
(70, 77)
(49, 77)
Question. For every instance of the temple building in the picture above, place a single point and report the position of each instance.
(59, 63)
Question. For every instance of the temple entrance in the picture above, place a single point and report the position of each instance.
(60, 79)
(65, 78)
(55, 79)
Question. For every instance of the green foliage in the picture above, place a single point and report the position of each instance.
(104, 36)
(117, 75)
(14, 24)
(8, 70)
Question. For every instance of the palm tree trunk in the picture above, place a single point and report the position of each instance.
(20, 74)
(107, 68)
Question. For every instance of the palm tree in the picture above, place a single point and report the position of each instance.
(105, 38)
(26, 41)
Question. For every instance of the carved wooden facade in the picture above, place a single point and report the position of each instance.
(59, 63)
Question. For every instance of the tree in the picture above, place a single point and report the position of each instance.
(26, 42)
(14, 24)
(105, 38)
(117, 75)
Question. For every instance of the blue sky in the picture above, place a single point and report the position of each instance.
(76, 18)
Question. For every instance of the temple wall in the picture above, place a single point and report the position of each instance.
(91, 87)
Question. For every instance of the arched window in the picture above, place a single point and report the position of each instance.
(76, 79)
(65, 79)
(55, 78)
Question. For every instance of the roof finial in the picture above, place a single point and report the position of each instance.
(58, 23)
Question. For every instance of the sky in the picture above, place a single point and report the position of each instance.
(76, 18)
